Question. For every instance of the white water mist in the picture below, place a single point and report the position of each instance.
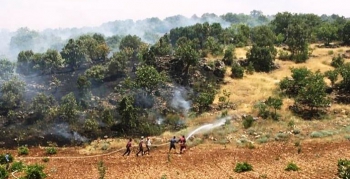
(207, 127)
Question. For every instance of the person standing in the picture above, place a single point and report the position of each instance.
(128, 148)
(148, 145)
(172, 144)
(140, 147)
(182, 142)
(7, 157)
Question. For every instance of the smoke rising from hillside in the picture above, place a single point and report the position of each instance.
(149, 30)
(179, 102)
(63, 130)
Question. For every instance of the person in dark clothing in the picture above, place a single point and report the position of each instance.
(128, 148)
(172, 144)
(182, 142)
(140, 147)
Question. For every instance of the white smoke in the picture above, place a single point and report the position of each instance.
(63, 130)
(160, 121)
(179, 102)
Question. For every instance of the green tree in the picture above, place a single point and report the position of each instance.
(96, 73)
(24, 62)
(148, 77)
(128, 115)
(12, 93)
(327, 32)
(113, 42)
(6, 69)
(34, 172)
(332, 75)
(187, 52)
(118, 62)
(73, 53)
(130, 41)
(292, 86)
(68, 108)
(346, 33)
(84, 85)
(213, 46)
(345, 74)
(52, 60)
(313, 95)
(229, 55)
(95, 47)
(337, 61)
(297, 41)
(281, 22)
(237, 71)
(276, 104)
(263, 52)
(41, 105)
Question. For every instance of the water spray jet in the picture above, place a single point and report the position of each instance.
(208, 127)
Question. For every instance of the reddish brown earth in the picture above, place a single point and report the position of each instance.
(318, 159)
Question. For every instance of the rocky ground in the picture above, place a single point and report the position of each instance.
(317, 159)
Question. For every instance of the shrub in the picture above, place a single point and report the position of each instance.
(3, 173)
(262, 110)
(45, 159)
(17, 166)
(243, 167)
(250, 69)
(337, 61)
(237, 71)
(51, 150)
(330, 52)
(263, 139)
(292, 167)
(248, 121)
(343, 168)
(35, 172)
(23, 150)
(283, 55)
(320, 134)
(281, 136)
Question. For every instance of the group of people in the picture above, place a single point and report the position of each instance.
(141, 144)
(181, 141)
(173, 141)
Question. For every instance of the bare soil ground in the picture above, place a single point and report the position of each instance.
(318, 159)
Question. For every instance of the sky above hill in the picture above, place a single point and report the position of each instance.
(41, 14)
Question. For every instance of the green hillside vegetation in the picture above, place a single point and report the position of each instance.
(95, 86)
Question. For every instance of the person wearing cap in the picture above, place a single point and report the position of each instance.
(140, 147)
(148, 145)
